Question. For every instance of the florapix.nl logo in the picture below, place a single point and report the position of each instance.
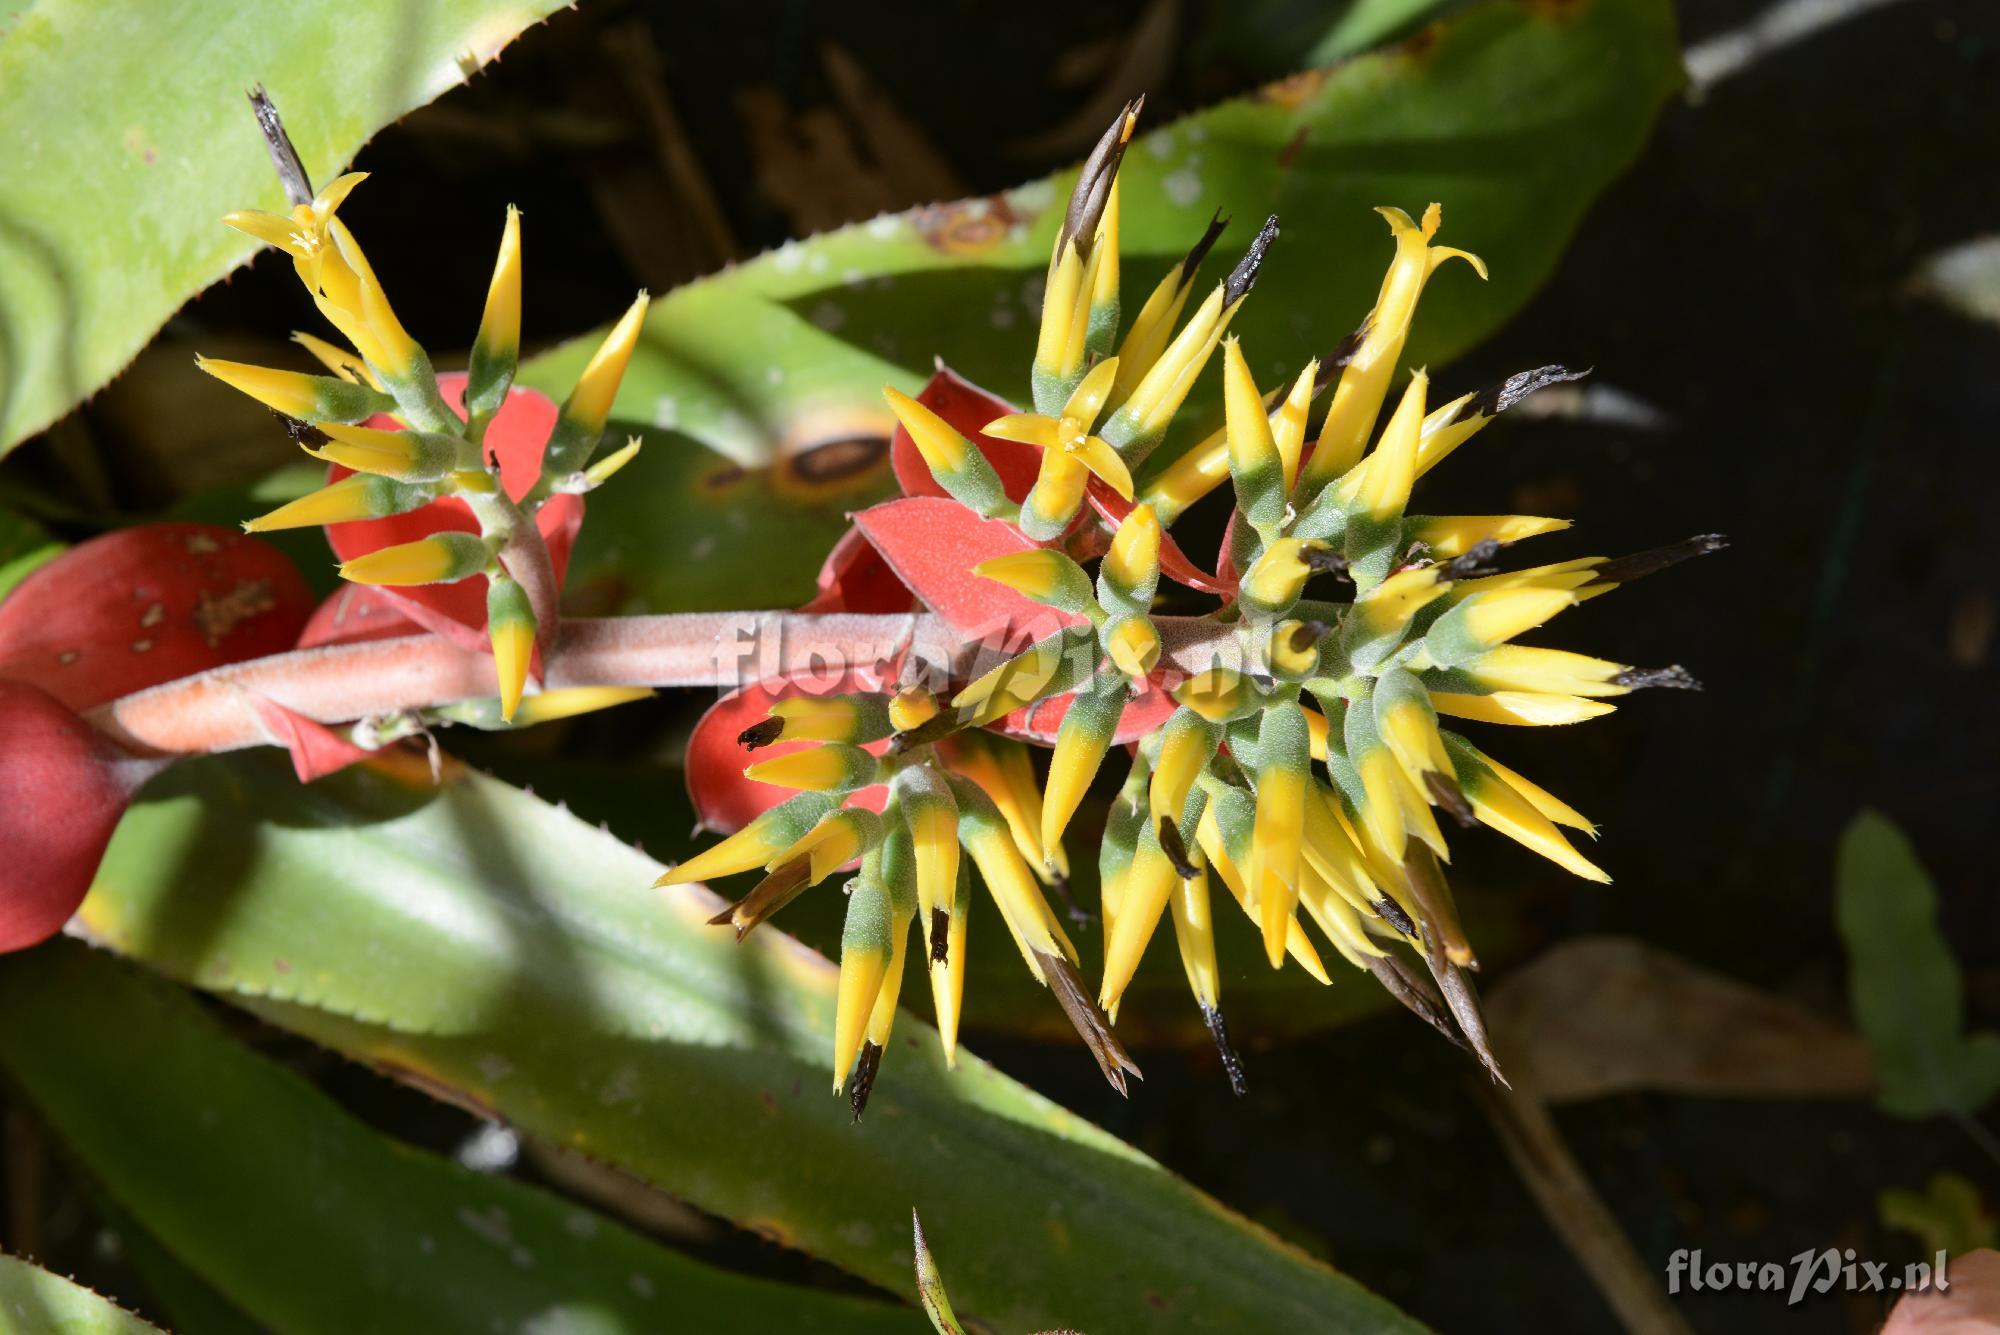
(1804, 1275)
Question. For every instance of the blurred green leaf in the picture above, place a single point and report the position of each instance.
(1905, 986)
(1947, 1215)
(34, 1301)
(476, 940)
(309, 1220)
(1263, 1005)
(25, 547)
(117, 177)
(1513, 115)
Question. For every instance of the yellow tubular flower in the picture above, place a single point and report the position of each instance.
(1519, 707)
(511, 630)
(1500, 806)
(1364, 382)
(348, 294)
(1187, 743)
(1254, 461)
(1217, 694)
(1275, 854)
(1284, 777)
(841, 836)
(548, 706)
(307, 398)
(1336, 917)
(1279, 576)
(1544, 801)
(832, 767)
(1194, 933)
(1189, 478)
(1043, 574)
(1133, 645)
(589, 404)
(1297, 943)
(757, 844)
(1454, 535)
(351, 498)
(347, 365)
(944, 450)
(912, 707)
(1056, 496)
(1385, 480)
(948, 967)
(1288, 424)
(1153, 326)
(1012, 885)
(500, 321)
(1081, 743)
(1519, 667)
(865, 950)
(438, 559)
(1148, 884)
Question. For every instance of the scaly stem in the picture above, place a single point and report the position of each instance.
(375, 678)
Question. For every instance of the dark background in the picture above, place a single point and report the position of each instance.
(1765, 367)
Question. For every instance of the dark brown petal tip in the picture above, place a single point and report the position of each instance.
(1090, 1023)
(861, 1082)
(1092, 194)
(1625, 569)
(1231, 1062)
(1676, 678)
(1476, 560)
(940, 935)
(1200, 250)
(1499, 398)
(1244, 276)
(284, 158)
(1176, 850)
(761, 733)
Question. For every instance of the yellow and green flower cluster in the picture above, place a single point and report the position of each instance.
(1314, 743)
(432, 452)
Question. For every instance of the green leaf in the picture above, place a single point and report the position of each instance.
(1948, 1215)
(477, 940)
(25, 547)
(117, 178)
(930, 1285)
(32, 1299)
(309, 1220)
(1905, 986)
(1514, 116)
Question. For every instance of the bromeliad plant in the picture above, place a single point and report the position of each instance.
(1289, 743)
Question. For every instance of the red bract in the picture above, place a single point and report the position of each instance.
(516, 438)
(855, 578)
(724, 800)
(145, 605)
(62, 790)
(932, 546)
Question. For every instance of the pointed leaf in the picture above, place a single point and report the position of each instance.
(316, 749)
(46, 1302)
(310, 1221)
(855, 578)
(511, 954)
(94, 133)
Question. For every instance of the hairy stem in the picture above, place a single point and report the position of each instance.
(341, 683)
